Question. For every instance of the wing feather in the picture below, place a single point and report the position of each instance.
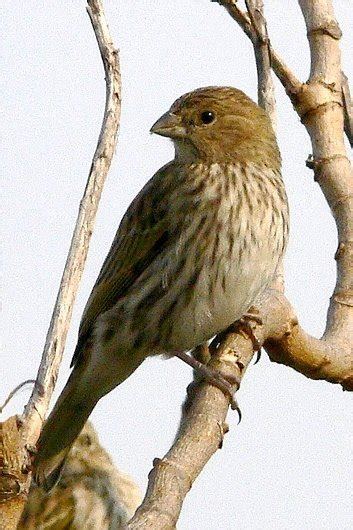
(141, 237)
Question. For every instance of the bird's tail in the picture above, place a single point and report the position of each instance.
(62, 427)
(88, 382)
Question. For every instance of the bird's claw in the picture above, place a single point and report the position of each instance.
(245, 325)
(225, 383)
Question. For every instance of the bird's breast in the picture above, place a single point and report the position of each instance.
(230, 252)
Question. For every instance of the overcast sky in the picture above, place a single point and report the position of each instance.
(288, 465)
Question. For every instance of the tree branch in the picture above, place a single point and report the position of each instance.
(201, 432)
(284, 74)
(265, 87)
(318, 103)
(24, 431)
(37, 406)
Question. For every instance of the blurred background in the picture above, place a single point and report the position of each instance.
(289, 463)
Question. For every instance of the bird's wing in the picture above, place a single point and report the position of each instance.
(142, 235)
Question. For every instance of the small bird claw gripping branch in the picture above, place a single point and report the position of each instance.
(321, 109)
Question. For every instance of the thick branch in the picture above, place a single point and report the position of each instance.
(200, 435)
(324, 119)
(203, 426)
(319, 105)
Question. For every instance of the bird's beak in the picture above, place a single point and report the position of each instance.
(169, 125)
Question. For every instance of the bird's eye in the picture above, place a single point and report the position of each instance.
(207, 117)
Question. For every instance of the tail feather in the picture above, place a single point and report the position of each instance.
(60, 431)
(88, 382)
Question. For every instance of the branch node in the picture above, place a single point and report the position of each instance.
(347, 383)
(223, 429)
(318, 165)
(344, 247)
(330, 29)
(175, 468)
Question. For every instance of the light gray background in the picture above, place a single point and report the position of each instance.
(288, 465)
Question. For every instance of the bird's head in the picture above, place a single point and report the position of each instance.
(219, 124)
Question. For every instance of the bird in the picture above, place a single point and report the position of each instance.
(91, 493)
(198, 244)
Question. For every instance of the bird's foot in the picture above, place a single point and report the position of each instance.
(215, 377)
(246, 326)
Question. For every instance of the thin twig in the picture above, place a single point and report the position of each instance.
(18, 435)
(38, 404)
(14, 392)
(261, 44)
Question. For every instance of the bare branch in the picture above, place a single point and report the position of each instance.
(287, 343)
(19, 434)
(265, 87)
(203, 426)
(14, 392)
(319, 105)
(321, 111)
(284, 74)
(201, 433)
(37, 406)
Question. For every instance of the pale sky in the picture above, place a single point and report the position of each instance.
(288, 465)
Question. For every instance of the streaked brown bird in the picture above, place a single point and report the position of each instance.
(196, 247)
(90, 495)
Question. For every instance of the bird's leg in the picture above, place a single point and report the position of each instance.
(214, 377)
(246, 326)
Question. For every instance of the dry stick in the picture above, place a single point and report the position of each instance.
(14, 392)
(266, 93)
(202, 425)
(284, 74)
(37, 406)
(19, 434)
